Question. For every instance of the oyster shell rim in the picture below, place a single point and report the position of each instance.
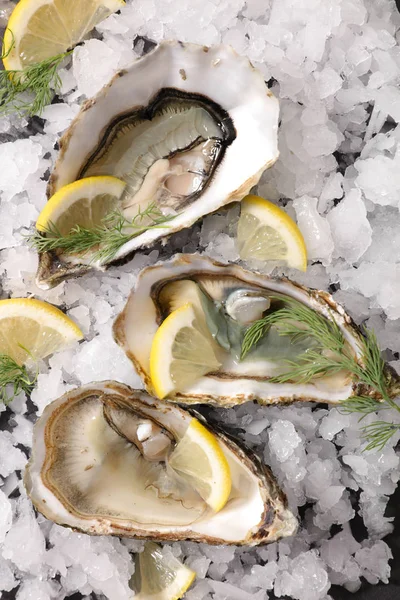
(274, 499)
(318, 299)
(53, 269)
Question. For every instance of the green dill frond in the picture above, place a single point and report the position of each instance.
(298, 321)
(309, 366)
(102, 241)
(6, 51)
(14, 379)
(363, 405)
(329, 354)
(377, 434)
(28, 91)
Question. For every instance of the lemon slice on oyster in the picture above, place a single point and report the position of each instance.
(32, 329)
(199, 460)
(85, 203)
(181, 352)
(266, 232)
(159, 575)
(40, 29)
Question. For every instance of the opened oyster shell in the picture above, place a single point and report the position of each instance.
(93, 469)
(188, 128)
(230, 298)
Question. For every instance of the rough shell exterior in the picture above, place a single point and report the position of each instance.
(276, 522)
(244, 96)
(135, 335)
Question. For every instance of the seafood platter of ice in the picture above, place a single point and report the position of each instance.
(334, 66)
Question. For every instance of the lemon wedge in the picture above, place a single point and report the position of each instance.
(181, 352)
(85, 202)
(40, 29)
(159, 575)
(32, 329)
(266, 232)
(199, 459)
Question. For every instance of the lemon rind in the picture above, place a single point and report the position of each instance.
(50, 315)
(284, 225)
(18, 22)
(72, 192)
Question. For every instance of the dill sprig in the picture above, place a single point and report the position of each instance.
(104, 240)
(14, 378)
(329, 354)
(6, 51)
(29, 90)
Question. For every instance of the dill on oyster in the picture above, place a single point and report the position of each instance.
(262, 339)
(329, 354)
(101, 241)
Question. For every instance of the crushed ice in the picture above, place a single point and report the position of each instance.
(335, 66)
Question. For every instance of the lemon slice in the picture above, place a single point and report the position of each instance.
(85, 202)
(199, 459)
(181, 352)
(159, 575)
(40, 29)
(266, 232)
(40, 328)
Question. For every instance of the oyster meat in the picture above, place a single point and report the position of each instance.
(188, 128)
(229, 299)
(98, 466)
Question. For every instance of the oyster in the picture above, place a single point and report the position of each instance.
(98, 466)
(230, 298)
(188, 128)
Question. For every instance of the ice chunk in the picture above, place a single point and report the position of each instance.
(25, 544)
(337, 551)
(199, 565)
(305, 579)
(7, 580)
(328, 82)
(379, 179)
(283, 439)
(80, 314)
(315, 229)
(351, 231)
(49, 387)
(321, 474)
(331, 190)
(113, 24)
(5, 516)
(22, 433)
(334, 422)
(320, 140)
(226, 591)
(387, 100)
(101, 359)
(58, 117)
(357, 463)
(374, 562)
(330, 497)
(223, 248)
(11, 458)
(378, 280)
(357, 306)
(74, 580)
(385, 245)
(36, 589)
(18, 160)
(264, 576)
(93, 66)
